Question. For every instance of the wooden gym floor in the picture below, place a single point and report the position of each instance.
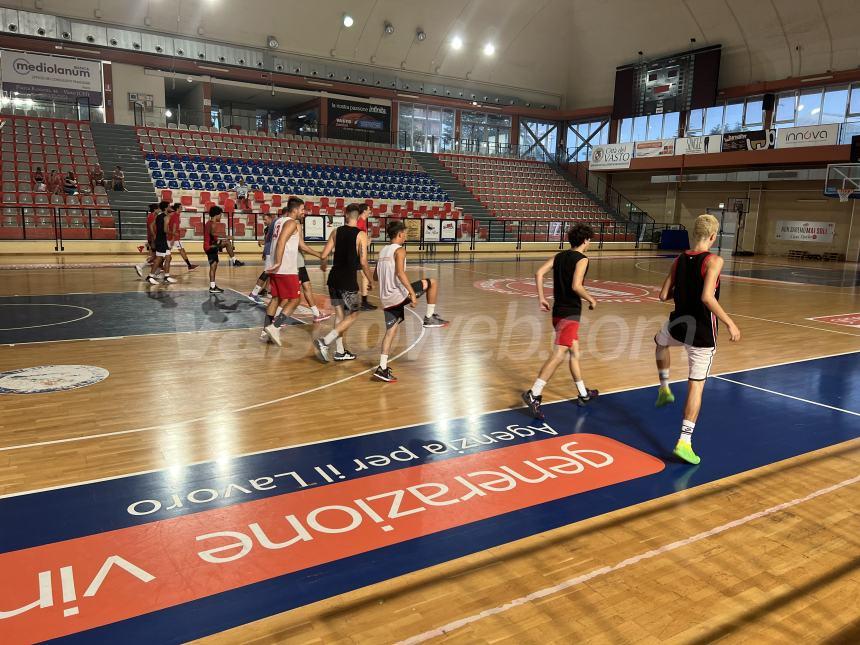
(763, 547)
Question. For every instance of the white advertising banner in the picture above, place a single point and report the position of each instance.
(332, 223)
(808, 135)
(698, 145)
(656, 148)
(314, 228)
(449, 230)
(611, 155)
(432, 232)
(51, 77)
(799, 231)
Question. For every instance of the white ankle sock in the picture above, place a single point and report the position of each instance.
(537, 388)
(315, 310)
(431, 309)
(687, 428)
(383, 361)
(279, 311)
(256, 290)
(211, 285)
(580, 387)
(339, 345)
(664, 377)
(329, 338)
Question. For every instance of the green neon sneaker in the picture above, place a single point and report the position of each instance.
(664, 397)
(684, 450)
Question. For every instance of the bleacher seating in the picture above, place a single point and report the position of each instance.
(521, 189)
(50, 144)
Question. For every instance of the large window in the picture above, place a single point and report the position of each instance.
(582, 136)
(538, 139)
(818, 106)
(650, 127)
(734, 115)
(425, 128)
(485, 134)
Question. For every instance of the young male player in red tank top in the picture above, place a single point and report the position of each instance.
(568, 273)
(694, 284)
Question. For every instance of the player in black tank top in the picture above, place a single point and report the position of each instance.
(568, 273)
(694, 284)
(158, 234)
(349, 246)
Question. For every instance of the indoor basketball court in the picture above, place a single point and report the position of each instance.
(178, 463)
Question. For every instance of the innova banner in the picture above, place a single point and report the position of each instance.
(51, 77)
(698, 145)
(751, 140)
(808, 135)
(611, 155)
(357, 120)
(656, 148)
(798, 231)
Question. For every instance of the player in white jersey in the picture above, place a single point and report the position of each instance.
(282, 267)
(395, 292)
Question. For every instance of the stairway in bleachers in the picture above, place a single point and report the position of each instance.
(118, 145)
(464, 199)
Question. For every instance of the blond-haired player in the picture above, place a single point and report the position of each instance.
(694, 284)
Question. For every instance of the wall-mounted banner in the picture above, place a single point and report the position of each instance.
(51, 77)
(356, 120)
(314, 228)
(752, 140)
(449, 230)
(798, 231)
(808, 135)
(611, 155)
(332, 223)
(698, 145)
(432, 230)
(656, 148)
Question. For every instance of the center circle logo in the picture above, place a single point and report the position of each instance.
(50, 378)
(602, 290)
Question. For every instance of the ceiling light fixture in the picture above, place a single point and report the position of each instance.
(389, 28)
(420, 35)
(456, 43)
(347, 20)
(489, 49)
(168, 113)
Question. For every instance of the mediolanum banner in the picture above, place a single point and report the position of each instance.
(611, 155)
(808, 135)
(798, 231)
(51, 77)
(656, 148)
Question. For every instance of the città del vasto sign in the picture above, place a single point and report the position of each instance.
(611, 155)
(51, 78)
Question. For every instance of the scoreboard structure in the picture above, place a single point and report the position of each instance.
(670, 84)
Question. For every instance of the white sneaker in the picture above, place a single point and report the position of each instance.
(139, 268)
(275, 334)
(151, 279)
(264, 337)
(170, 280)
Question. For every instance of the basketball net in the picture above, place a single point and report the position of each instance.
(844, 193)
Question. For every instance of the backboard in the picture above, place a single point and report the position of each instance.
(842, 177)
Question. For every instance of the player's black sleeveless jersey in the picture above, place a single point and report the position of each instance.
(346, 263)
(566, 302)
(692, 322)
(160, 231)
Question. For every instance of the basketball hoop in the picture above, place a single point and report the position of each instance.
(844, 193)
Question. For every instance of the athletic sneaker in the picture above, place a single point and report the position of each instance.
(169, 279)
(533, 402)
(192, 267)
(139, 269)
(238, 263)
(257, 300)
(384, 375)
(366, 306)
(664, 397)
(582, 401)
(216, 289)
(322, 349)
(275, 334)
(345, 356)
(684, 450)
(151, 279)
(321, 317)
(435, 321)
(264, 337)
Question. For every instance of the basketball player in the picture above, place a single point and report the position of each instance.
(158, 231)
(282, 267)
(395, 292)
(694, 284)
(150, 218)
(568, 273)
(349, 245)
(266, 243)
(212, 245)
(173, 241)
(363, 213)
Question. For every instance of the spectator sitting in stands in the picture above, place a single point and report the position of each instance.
(97, 177)
(242, 194)
(118, 179)
(55, 185)
(70, 184)
(39, 181)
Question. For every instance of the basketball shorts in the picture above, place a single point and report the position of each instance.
(284, 287)
(566, 331)
(349, 300)
(699, 359)
(162, 249)
(212, 255)
(303, 275)
(397, 313)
